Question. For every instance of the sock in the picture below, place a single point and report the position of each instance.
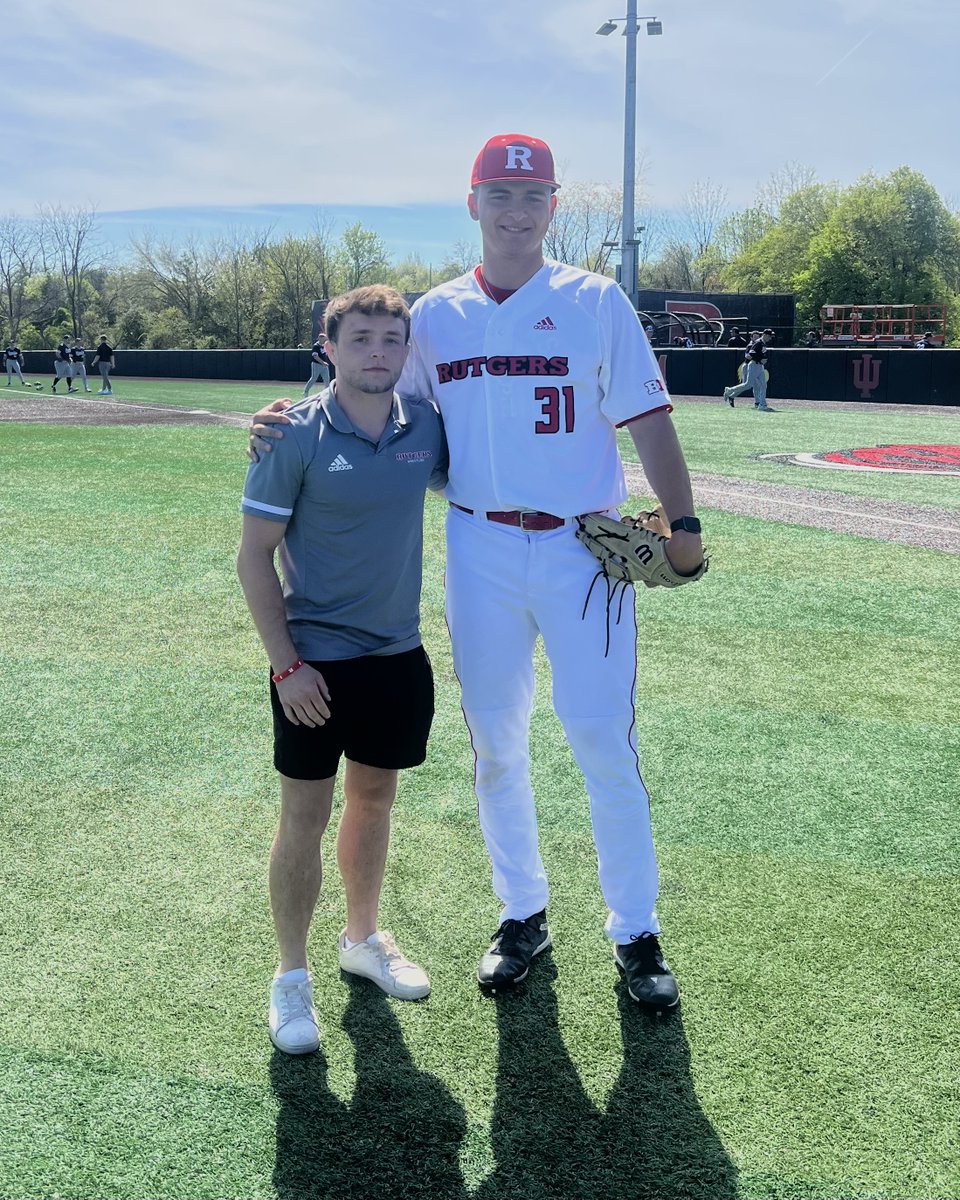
(348, 945)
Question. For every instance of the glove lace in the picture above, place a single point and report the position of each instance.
(612, 585)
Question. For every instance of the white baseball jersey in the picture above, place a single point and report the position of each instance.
(531, 390)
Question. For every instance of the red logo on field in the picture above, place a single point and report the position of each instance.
(908, 457)
(902, 456)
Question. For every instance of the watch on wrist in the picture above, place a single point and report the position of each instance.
(687, 524)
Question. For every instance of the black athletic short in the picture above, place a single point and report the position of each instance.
(381, 709)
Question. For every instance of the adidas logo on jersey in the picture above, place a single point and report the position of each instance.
(546, 323)
(340, 464)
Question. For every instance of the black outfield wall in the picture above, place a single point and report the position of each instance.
(280, 365)
(881, 376)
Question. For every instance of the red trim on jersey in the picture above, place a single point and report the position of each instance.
(497, 295)
(639, 417)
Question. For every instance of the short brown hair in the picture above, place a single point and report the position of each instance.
(377, 300)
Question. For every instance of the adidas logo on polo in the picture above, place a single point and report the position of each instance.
(340, 464)
(546, 323)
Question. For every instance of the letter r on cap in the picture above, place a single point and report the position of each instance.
(518, 156)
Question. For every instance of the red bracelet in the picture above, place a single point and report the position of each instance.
(281, 675)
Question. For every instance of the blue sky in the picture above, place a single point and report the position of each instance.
(194, 114)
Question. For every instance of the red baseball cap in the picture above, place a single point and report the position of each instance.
(514, 156)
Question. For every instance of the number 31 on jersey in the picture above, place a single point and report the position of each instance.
(557, 417)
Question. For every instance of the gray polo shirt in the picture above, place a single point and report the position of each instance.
(351, 558)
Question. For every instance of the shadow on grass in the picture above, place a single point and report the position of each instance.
(398, 1136)
(652, 1142)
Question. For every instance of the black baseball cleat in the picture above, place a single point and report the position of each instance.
(649, 979)
(514, 946)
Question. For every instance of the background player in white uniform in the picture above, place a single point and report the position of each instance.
(78, 358)
(533, 366)
(13, 360)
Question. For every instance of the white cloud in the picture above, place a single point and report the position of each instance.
(175, 102)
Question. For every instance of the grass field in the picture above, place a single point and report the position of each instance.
(801, 738)
(716, 439)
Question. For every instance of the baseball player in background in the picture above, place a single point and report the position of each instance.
(754, 373)
(78, 359)
(104, 360)
(319, 367)
(534, 366)
(63, 366)
(13, 360)
(350, 677)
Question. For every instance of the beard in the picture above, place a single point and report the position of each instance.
(370, 387)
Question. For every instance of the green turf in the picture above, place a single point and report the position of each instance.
(214, 395)
(716, 439)
(800, 737)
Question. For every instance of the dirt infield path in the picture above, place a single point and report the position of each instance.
(43, 409)
(907, 524)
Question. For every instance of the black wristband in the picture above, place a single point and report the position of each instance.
(687, 524)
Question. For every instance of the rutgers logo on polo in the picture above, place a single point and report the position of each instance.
(518, 158)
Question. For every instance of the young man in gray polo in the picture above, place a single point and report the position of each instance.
(349, 676)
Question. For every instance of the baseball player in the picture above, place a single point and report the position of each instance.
(319, 367)
(13, 359)
(534, 365)
(754, 373)
(350, 676)
(104, 360)
(77, 358)
(63, 366)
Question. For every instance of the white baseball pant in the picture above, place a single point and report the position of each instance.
(13, 368)
(503, 588)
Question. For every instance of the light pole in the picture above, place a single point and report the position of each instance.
(628, 234)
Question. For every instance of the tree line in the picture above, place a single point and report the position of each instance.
(883, 239)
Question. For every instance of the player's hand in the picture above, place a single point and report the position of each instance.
(305, 697)
(263, 427)
(685, 551)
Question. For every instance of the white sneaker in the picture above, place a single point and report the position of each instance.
(293, 1019)
(380, 960)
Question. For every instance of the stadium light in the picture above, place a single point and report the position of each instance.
(628, 237)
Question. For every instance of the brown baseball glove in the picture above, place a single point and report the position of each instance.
(634, 549)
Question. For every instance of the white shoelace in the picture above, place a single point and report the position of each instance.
(293, 1003)
(393, 960)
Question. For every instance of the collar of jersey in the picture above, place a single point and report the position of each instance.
(342, 423)
(548, 264)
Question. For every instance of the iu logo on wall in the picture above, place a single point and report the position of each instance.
(866, 374)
